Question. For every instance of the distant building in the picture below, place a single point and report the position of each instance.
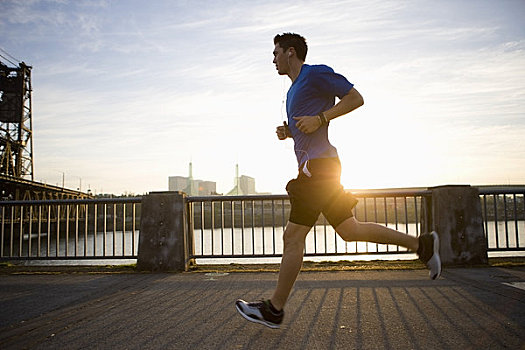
(192, 187)
(244, 185)
(247, 184)
(178, 183)
(207, 188)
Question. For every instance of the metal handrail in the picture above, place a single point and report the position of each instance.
(361, 193)
(501, 190)
(73, 201)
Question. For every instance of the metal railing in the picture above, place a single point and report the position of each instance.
(69, 229)
(252, 226)
(231, 227)
(503, 211)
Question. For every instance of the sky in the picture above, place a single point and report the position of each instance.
(128, 93)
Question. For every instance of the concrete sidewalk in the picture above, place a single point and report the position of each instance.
(467, 308)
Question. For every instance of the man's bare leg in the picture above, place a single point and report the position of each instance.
(270, 312)
(428, 252)
(349, 230)
(292, 260)
(353, 230)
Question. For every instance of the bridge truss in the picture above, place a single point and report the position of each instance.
(16, 129)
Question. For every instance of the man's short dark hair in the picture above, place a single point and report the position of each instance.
(296, 41)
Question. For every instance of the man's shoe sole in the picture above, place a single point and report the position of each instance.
(435, 259)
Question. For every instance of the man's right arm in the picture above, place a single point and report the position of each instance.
(283, 132)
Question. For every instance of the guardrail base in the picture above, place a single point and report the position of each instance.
(455, 214)
(163, 232)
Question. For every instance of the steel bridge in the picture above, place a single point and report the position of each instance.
(12, 188)
(16, 140)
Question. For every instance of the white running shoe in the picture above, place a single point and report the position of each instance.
(428, 252)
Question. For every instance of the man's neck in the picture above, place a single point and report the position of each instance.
(295, 69)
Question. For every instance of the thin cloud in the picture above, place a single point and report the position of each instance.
(143, 87)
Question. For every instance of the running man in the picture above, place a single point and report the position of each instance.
(310, 106)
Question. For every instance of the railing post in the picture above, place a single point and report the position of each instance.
(455, 214)
(190, 236)
(162, 243)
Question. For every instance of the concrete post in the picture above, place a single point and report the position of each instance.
(163, 236)
(455, 214)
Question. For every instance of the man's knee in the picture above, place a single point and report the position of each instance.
(294, 236)
(349, 230)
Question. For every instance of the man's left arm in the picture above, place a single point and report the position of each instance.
(352, 100)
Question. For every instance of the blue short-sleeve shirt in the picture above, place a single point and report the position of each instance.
(313, 92)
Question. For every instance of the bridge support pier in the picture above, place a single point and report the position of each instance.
(454, 212)
(163, 236)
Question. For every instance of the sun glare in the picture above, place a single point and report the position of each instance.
(380, 148)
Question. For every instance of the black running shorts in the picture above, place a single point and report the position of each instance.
(321, 192)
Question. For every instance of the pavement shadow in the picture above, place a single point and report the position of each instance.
(466, 308)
